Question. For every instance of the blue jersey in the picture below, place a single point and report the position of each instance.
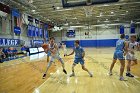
(78, 52)
(14, 50)
(5, 51)
(120, 45)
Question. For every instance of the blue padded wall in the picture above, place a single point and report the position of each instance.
(93, 43)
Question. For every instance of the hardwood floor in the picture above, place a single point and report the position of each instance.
(25, 75)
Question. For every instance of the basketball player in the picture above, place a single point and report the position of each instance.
(48, 53)
(2, 55)
(53, 48)
(130, 56)
(64, 49)
(120, 51)
(79, 57)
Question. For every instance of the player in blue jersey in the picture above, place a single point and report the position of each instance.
(79, 57)
(120, 52)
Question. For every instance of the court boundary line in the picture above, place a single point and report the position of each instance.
(49, 78)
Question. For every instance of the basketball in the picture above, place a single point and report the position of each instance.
(45, 46)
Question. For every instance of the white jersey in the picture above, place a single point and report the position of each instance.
(52, 47)
(132, 45)
(131, 51)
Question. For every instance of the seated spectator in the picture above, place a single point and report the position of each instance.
(15, 51)
(5, 52)
(9, 51)
(2, 55)
(23, 49)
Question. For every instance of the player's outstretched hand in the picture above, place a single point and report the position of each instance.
(124, 53)
(65, 55)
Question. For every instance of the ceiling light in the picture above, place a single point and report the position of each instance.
(101, 14)
(132, 21)
(106, 5)
(137, 23)
(106, 21)
(98, 16)
(74, 18)
(77, 26)
(117, 19)
(112, 12)
(122, 14)
(63, 9)
(33, 10)
(30, 1)
(57, 7)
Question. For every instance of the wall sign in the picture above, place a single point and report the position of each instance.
(132, 28)
(17, 30)
(15, 12)
(121, 29)
(9, 42)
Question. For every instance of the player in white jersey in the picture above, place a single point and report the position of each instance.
(130, 56)
(53, 48)
(64, 49)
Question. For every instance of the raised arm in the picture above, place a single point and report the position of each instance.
(71, 53)
(125, 47)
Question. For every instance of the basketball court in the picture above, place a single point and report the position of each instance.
(96, 24)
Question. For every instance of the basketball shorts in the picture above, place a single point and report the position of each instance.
(119, 55)
(130, 56)
(79, 60)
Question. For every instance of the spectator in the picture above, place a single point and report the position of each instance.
(24, 50)
(15, 51)
(2, 55)
(5, 52)
(9, 52)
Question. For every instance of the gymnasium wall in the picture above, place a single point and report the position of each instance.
(6, 32)
(98, 36)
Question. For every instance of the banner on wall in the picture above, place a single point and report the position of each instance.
(121, 29)
(29, 32)
(9, 42)
(17, 30)
(132, 28)
(47, 35)
(41, 32)
(33, 31)
(37, 43)
(15, 12)
(36, 32)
